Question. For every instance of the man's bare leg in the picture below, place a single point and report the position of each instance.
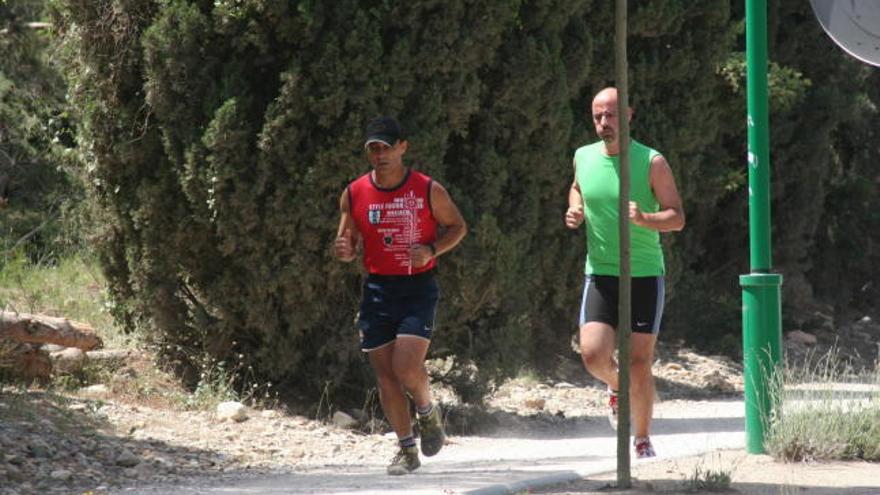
(391, 393)
(408, 365)
(597, 344)
(642, 382)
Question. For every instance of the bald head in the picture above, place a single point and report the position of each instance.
(607, 95)
(605, 118)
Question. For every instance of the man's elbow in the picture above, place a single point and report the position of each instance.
(675, 223)
(679, 225)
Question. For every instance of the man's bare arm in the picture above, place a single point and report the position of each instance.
(452, 227)
(574, 215)
(345, 244)
(670, 216)
(447, 215)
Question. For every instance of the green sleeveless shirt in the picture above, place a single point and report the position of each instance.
(599, 181)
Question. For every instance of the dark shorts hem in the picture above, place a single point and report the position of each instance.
(371, 349)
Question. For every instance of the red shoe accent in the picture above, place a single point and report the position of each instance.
(612, 404)
(643, 447)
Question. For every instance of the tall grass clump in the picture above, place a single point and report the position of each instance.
(708, 480)
(829, 412)
(72, 287)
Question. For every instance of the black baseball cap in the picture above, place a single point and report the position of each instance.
(384, 130)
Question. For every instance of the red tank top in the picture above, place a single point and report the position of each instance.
(391, 220)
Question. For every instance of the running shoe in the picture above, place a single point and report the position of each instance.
(431, 432)
(612, 406)
(405, 461)
(644, 449)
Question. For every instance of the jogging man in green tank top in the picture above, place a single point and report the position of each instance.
(655, 207)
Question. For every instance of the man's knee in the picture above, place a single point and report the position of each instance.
(642, 353)
(597, 343)
(387, 380)
(407, 373)
(640, 364)
(595, 356)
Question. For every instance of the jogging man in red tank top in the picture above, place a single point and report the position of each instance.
(402, 220)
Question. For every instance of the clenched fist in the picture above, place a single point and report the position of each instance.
(420, 254)
(635, 214)
(343, 246)
(574, 216)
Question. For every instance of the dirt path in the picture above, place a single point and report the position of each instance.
(697, 443)
(100, 441)
(504, 461)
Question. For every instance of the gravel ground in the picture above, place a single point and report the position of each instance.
(100, 441)
(94, 440)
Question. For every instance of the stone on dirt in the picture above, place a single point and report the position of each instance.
(233, 411)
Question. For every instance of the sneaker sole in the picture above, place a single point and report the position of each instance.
(400, 472)
(432, 445)
(431, 449)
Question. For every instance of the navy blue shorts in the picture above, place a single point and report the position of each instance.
(397, 305)
(599, 302)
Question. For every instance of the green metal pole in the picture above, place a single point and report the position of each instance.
(624, 326)
(761, 354)
(762, 314)
(759, 135)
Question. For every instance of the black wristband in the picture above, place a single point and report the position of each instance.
(433, 249)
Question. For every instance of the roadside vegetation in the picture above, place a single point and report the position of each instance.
(74, 287)
(707, 479)
(216, 138)
(830, 411)
(71, 287)
(203, 205)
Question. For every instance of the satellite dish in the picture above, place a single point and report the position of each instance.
(852, 24)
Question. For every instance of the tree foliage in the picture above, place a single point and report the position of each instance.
(36, 139)
(222, 133)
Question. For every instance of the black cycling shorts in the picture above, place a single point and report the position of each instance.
(599, 302)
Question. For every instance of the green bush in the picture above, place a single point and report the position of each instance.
(221, 134)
